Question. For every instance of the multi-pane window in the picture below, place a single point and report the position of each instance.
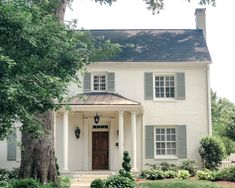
(165, 141)
(99, 82)
(164, 86)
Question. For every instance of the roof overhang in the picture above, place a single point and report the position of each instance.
(102, 101)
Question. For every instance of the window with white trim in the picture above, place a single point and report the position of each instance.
(165, 141)
(99, 82)
(164, 86)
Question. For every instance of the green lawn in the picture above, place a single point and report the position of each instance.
(173, 183)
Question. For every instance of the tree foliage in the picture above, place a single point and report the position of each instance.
(212, 152)
(38, 58)
(223, 121)
(223, 116)
(157, 5)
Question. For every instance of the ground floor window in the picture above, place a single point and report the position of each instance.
(165, 141)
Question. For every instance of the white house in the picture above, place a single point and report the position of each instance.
(152, 99)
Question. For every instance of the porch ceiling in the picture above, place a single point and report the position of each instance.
(103, 98)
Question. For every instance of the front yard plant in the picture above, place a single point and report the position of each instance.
(207, 175)
(212, 152)
(183, 174)
(189, 165)
(124, 179)
(97, 183)
(227, 174)
(119, 181)
(64, 182)
(154, 174)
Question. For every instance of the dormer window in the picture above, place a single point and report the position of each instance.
(99, 82)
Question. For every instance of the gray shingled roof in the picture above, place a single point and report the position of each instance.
(164, 45)
(101, 99)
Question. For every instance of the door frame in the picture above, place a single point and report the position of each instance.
(102, 130)
(106, 121)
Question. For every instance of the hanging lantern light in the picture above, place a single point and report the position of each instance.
(96, 118)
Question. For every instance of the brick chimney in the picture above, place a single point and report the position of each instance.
(200, 19)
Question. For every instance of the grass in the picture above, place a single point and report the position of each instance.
(176, 183)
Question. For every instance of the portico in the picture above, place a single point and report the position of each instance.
(101, 145)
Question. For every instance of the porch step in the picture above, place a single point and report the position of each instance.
(84, 179)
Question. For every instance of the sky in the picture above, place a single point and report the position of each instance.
(177, 14)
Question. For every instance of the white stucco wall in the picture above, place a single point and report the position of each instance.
(129, 82)
(193, 112)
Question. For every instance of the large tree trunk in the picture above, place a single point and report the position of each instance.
(38, 154)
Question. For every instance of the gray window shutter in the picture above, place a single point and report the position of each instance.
(87, 83)
(149, 142)
(11, 146)
(180, 86)
(181, 144)
(148, 86)
(111, 81)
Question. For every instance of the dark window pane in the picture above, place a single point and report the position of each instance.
(158, 138)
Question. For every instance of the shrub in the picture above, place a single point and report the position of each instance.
(118, 181)
(206, 175)
(154, 174)
(126, 162)
(64, 181)
(4, 184)
(227, 174)
(6, 175)
(126, 171)
(165, 166)
(25, 183)
(189, 165)
(97, 183)
(183, 174)
(170, 174)
(212, 152)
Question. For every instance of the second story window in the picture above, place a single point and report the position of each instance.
(164, 86)
(99, 82)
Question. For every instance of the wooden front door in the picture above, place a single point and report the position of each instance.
(100, 150)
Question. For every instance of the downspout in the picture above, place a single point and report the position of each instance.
(209, 100)
(143, 140)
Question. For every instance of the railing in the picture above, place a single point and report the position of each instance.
(228, 162)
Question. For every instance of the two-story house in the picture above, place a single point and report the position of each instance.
(152, 99)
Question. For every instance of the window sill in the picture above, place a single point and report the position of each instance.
(166, 157)
(165, 100)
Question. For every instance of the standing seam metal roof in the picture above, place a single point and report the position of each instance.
(101, 98)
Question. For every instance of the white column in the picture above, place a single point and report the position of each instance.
(85, 145)
(65, 141)
(111, 144)
(121, 136)
(133, 139)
